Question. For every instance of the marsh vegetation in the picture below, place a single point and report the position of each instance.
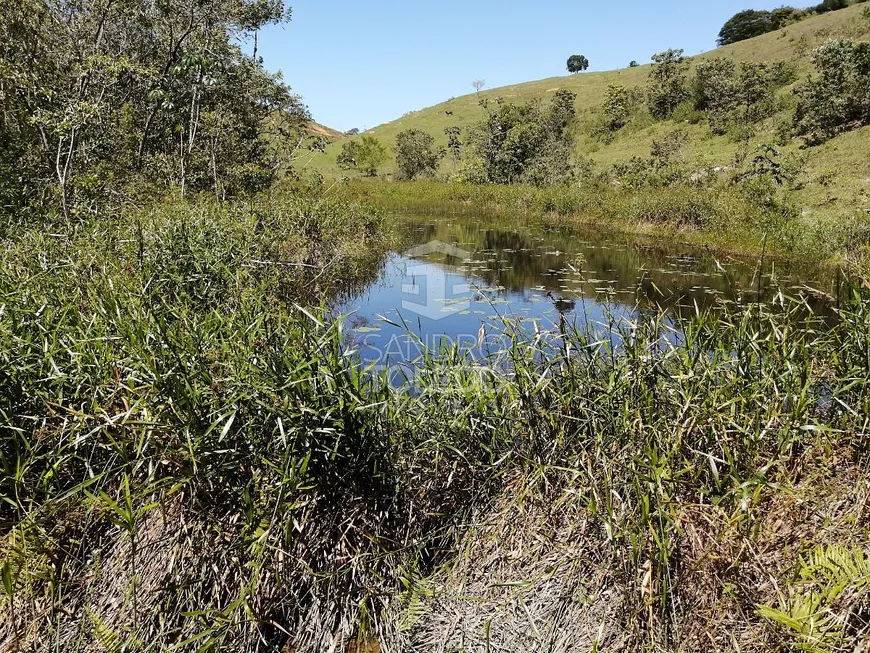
(665, 449)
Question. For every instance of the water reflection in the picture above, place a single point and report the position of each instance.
(455, 280)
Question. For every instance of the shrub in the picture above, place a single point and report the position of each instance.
(667, 151)
(616, 107)
(667, 87)
(366, 155)
(838, 98)
(415, 154)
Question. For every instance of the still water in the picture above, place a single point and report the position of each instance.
(461, 281)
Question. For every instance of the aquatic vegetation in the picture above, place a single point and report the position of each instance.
(192, 458)
(722, 218)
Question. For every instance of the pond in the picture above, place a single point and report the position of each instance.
(460, 281)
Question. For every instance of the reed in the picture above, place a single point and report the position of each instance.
(194, 460)
(720, 216)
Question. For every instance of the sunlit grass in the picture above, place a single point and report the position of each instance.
(193, 459)
(833, 185)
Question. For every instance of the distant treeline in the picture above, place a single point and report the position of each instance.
(751, 22)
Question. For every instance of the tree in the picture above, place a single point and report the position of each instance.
(616, 108)
(365, 154)
(524, 143)
(838, 98)
(745, 25)
(667, 87)
(352, 132)
(577, 63)
(633, 64)
(415, 154)
(478, 84)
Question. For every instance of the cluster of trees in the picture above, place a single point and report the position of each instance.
(528, 143)
(838, 98)
(531, 143)
(416, 155)
(751, 22)
(96, 94)
(731, 93)
(724, 92)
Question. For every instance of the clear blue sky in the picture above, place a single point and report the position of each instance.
(359, 64)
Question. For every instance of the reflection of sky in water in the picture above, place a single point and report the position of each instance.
(440, 306)
(462, 281)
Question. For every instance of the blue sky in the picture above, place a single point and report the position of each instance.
(359, 64)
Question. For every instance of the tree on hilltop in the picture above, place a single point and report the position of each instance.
(577, 63)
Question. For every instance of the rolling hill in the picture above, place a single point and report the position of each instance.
(836, 176)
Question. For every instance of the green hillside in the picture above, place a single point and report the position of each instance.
(842, 164)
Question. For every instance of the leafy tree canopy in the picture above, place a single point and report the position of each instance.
(745, 25)
(415, 154)
(97, 96)
(365, 154)
(577, 63)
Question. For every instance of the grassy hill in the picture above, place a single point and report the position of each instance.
(837, 174)
(316, 129)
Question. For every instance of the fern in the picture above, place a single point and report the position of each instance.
(416, 591)
(813, 612)
(110, 640)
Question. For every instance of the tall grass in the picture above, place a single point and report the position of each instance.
(194, 460)
(722, 217)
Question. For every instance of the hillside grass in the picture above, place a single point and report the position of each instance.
(836, 176)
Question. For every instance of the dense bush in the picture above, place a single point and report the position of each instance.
(415, 154)
(667, 87)
(617, 107)
(838, 98)
(525, 142)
